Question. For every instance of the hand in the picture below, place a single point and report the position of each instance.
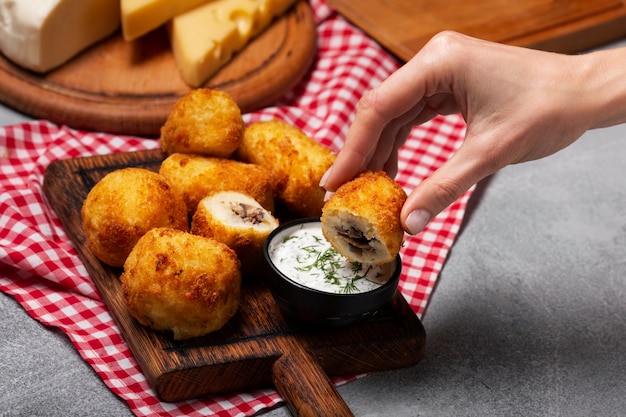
(519, 105)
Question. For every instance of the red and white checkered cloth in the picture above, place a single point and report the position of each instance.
(41, 269)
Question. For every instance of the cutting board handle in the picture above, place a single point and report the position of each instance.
(305, 387)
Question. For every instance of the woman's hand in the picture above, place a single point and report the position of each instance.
(519, 104)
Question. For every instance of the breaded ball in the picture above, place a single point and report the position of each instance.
(204, 121)
(238, 221)
(296, 161)
(177, 281)
(362, 219)
(124, 205)
(196, 177)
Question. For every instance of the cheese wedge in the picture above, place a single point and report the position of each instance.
(206, 38)
(141, 16)
(42, 34)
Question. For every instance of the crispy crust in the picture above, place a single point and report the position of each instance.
(204, 121)
(196, 177)
(362, 219)
(181, 282)
(123, 206)
(296, 161)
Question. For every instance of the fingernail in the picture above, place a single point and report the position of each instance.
(416, 221)
(325, 177)
(328, 195)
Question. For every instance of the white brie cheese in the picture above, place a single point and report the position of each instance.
(42, 34)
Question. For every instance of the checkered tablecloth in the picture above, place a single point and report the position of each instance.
(41, 269)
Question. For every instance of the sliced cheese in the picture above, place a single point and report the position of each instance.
(42, 34)
(141, 16)
(206, 38)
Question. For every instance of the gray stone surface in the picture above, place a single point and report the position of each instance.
(528, 317)
(41, 374)
(9, 116)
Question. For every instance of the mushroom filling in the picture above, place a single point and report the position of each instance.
(356, 239)
(248, 213)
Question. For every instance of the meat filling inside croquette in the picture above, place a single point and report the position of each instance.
(357, 241)
(361, 220)
(248, 213)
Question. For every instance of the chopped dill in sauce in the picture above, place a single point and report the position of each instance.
(305, 256)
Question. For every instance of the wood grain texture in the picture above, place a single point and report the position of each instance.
(130, 87)
(404, 26)
(258, 347)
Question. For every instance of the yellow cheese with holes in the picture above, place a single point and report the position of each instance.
(43, 34)
(141, 16)
(207, 37)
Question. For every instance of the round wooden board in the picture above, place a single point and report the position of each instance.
(130, 87)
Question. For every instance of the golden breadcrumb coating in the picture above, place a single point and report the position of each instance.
(362, 219)
(204, 121)
(196, 177)
(296, 161)
(177, 281)
(238, 221)
(124, 205)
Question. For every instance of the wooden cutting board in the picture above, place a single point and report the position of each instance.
(404, 26)
(130, 87)
(258, 347)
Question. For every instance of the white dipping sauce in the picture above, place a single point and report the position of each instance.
(303, 254)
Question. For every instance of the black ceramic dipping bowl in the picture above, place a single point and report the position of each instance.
(319, 308)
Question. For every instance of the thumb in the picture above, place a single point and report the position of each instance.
(457, 175)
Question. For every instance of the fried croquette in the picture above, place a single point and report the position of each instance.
(196, 177)
(124, 205)
(237, 220)
(177, 281)
(296, 161)
(362, 219)
(204, 121)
